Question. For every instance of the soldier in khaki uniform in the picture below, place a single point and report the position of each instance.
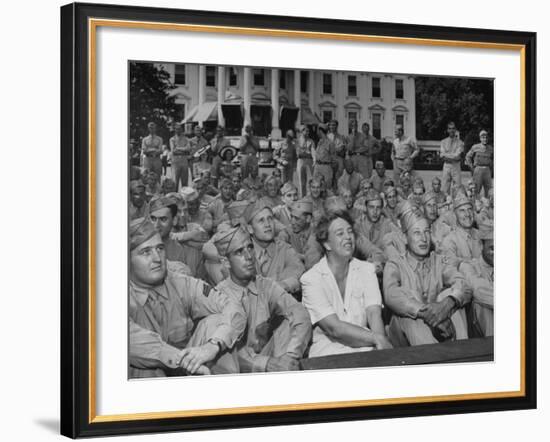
(178, 324)
(480, 275)
(370, 230)
(463, 243)
(289, 194)
(278, 327)
(181, 153)
(151, 149)
(426, 293)
(300, 230)
(451, 150)
(480, 160)
(274, 259)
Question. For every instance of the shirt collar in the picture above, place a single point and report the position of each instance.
(141, 294)
(270, 249)
(415, 263)
(252, 287)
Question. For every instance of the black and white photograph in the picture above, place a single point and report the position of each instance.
(285, 219)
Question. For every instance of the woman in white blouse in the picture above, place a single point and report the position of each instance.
(341, 294)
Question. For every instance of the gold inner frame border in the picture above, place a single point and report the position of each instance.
(93, 24)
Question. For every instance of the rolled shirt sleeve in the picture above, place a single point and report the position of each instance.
(149, 351)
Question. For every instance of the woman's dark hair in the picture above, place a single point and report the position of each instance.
(321, 229)
(322, 129)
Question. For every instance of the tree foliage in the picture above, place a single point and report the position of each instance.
(150, 100)
(467, 102)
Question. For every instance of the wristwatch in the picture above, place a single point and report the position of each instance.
(217, 342)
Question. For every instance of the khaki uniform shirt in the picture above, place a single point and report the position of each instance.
(163, 318)
(461, 245)
(280, 262)
(151, 145)
(369, 237)
(480, 277)
(263, 301)
(409, 284)
(451, 149)
(404, 148)
(480, 155)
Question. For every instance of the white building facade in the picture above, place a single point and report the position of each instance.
(274, 100)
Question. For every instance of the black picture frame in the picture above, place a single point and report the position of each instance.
(76, 248)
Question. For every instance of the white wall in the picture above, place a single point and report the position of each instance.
(30, 221)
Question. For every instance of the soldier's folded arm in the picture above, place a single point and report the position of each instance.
(283, 304)
(206, 301)
(294, 268)
(403, 301)
(148, 350)
(482, 289)
(453, 278)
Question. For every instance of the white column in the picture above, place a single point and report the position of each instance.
(247, 83)
(202, 86)
(365, 93)
(297, 98)
(340, 94)
(388, 124)
(311, 91)
(221, 94)
(275, 130)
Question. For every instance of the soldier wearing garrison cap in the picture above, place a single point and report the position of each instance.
(271, 196)
(426, 293)
(390, 204)
(218, 207)
(178, 324)
(480, 275)
(278, 327)
(463, 243)
(300, 229)
(289, 194)
(371, 228)
(480, 160)
(215, 271)
(439, 229)
(274, 259)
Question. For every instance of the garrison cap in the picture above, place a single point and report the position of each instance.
(229, 239)
(160, 202)
(287, 187)
(189, 194)
(303, 206)
(372, 195)
(334, 204)
(141, 230)
(254, 208)
(461, 200)
(428, 196)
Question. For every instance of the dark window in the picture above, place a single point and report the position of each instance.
(377, 125)
(232, 77)
(304, 77)
(327, 84)
(327, 116)
(376, 87)
(211, 76)
(352, 86)
(351, 117)
(180, 74)
(282, 79)
(399, 119)
(399, 89)
(258, 77)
